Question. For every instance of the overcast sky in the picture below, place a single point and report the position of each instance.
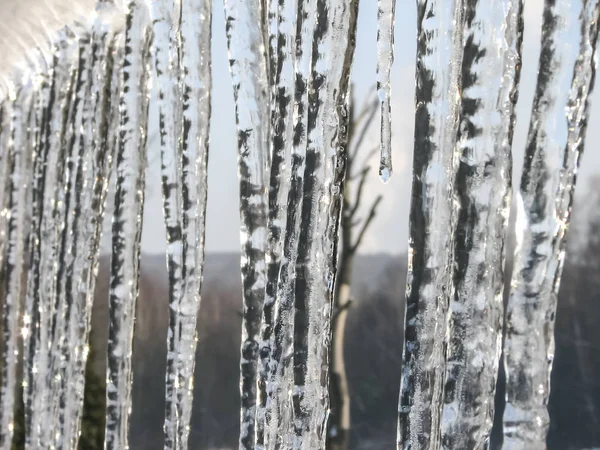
(389, 232)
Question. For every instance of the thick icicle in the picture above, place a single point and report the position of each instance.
(336, 134)
(433, 213)
(279, 431)
(490, 75)
(127, 226)
(332, 54)
(281, 143)
(245, 41)
(554, 147)
(385, 58)
(20, 179)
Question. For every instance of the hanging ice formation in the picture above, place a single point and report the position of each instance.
(68, 112)
(556, 135)
(482, 187)
(385, 58)
(433, 211)
(181, 57)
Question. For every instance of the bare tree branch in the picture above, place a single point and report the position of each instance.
(366, 120)
(367, 222)
(359, 191)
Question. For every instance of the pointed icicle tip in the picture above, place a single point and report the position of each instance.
(385, 172)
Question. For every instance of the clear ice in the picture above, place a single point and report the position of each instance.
(433, 212)
(490, 78)
(385, 58)
(566, 75)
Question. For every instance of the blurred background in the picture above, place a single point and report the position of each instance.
(373, 341)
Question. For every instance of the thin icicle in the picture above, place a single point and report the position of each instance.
(433, 213)
(182, 64)
(4, 160)
(554, 147)
(385, 59)
(281, 143)
(127, 226)
(166, 46)
(38, 118)
(196, 82)
(31, 340)
(20, 178)
(245, 41)
(491, 64)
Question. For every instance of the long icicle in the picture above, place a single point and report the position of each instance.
(335, 138)
(279, 426)
(555, 144)
(38, 123)
(433, 212)
(32, 340)
(281, 143)
(127, 226)
(314, 271)
(4, 160)
(90, 189)
(249, 76)
(16, 240)
(385, 58)
(61, 351)
(490, 77)
(166, 16)
(53, 217)
(196, 84)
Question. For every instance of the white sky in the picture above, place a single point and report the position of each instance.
(389, 232)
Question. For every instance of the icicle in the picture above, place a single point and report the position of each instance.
(385, 59)
(60, 358)
(19, 154)
(331, 60)
(182, 65)
(335, 136)
(32, 338)
(281, 143)
(279, 431)
(166, 66)
(250, 82)
(555, 143)
(37, 126)
(196, 85)
(127, 226)
(4, 139)
(491, 63)
(90, 189)
(52, 220)
(433, 213)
